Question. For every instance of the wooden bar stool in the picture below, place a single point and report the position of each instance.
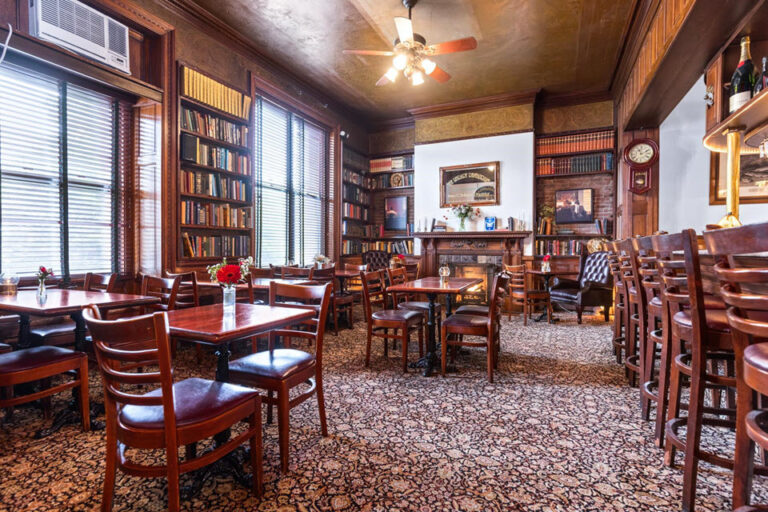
(619, 302)
(707, 337)
(744, 289)
(402, 323)
(634, 296)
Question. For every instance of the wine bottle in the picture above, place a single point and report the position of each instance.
(762, 80)
(743, 79)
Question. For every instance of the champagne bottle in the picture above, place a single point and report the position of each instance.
(762, 80)
(743, 79)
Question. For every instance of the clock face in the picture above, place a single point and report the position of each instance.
(641, 153)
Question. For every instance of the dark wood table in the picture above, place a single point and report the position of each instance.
(209, 324)
(547, 278)
(342, 275)
(432, 287)
(61, 302)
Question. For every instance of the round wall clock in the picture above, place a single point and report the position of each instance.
(640, 155)
(396, 180)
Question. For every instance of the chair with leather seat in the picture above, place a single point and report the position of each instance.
(520, 294)
(592, 288)
(172, 415)
(619, 302)
(4, 347)
(410, 302)
(340, 303)
(165, 288)
(41, 363)
(376, 260)
(187, 296)
(278, 370)
(744, 288)
(457, 326)
(413, 270)
(387, 324)
(698, 338)
(62, 333)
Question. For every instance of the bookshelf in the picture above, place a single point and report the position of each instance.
(214, 178)
(584, 159)
(365, 186)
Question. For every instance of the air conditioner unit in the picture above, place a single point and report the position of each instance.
(83, 30)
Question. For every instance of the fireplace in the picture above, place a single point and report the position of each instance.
(475, 266)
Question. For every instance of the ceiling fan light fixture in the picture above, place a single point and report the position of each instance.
(400, 61)
(391, 74)
(428, 65)
(417, 78)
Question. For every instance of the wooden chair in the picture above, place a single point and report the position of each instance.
(280, 370)
(488, 327)
(619, 302)
(413, 270)
(296, 273)
(187, 296)
(410, 301)
(339, 303)
(354, 286)
(632, 314)
(744, 288)
(174, 414)
(707, 335)
(481, 310)
(401, 322)
(521, 295)
(62, 333)
(166, 288)
(257, 272)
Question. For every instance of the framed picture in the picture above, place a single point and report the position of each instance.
(574, 206)
(396, 213)
(753, 183)
(473, 184)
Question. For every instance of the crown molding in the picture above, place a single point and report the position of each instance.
(400, 123)
(572, 98)
(475, 104)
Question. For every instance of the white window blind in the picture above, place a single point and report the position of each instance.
(58, 153)
(291, 186)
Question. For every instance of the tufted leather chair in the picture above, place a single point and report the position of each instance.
(594, 286)
(376, 260)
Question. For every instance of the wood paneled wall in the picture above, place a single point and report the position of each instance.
(638, 213)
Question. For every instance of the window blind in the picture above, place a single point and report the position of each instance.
(291, 186)
(60, 152)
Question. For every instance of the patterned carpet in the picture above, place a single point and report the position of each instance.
(559, 430)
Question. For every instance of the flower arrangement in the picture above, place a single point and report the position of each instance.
(229, 274)
(464, 212)
(545, 263)
(322, 259)
(43, 273)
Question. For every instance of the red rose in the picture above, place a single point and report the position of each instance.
(401, 256)
(42, 269)
(228, 274)
(547, 257)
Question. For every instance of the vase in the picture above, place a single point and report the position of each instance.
(545, 266)
(41, 293)
(229, 294)
(462, 223)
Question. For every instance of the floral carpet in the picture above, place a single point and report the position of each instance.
(559, 430)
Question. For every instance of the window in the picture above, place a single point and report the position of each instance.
(292, 184)
(59, 159)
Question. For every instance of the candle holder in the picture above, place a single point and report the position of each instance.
(445, 273)
(9, 285)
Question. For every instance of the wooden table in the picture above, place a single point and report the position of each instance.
(209, 324)
(342, 275)
(547, 278)
(432, 287)
(60, 302)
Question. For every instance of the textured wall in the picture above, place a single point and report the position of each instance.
(574, 117)
(389, 141)
(482, 123)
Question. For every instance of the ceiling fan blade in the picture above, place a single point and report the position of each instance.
(440, 75)
(457, 45)
(379, 53)
(383, 80)
(404, 29)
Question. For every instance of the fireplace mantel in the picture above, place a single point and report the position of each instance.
(508, 244)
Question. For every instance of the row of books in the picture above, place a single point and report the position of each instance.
(392, 163)
(208, 246)
(220, 215)
(207, 90)
(214, 185)
(357, 194)
(604, 226)
(559, 247)
(358, 247)
(215, 127)
(386, 181)
(369, 231)
(574, 164)
(355, 177)
(354, 211)
(594, 141)
(544, 226)
(194, 150)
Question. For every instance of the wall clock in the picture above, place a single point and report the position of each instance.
(640, 155)
(396, 180)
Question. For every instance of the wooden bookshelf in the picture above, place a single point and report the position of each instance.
(567, 161)
(205, 184)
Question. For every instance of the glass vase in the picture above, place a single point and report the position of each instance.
(462, 223)
(229, 295)
(41, 293)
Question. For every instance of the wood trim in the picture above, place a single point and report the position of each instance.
(572, 98)
(128, 11)
(399, 123)
(468, 137)
(466, 235)
(637, 29)
(475, 104)
(278, 95)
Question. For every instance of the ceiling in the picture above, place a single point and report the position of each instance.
(561, 47)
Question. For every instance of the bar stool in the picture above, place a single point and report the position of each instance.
(748, 318)
(619, 302)
(634, 293)
(706, 335)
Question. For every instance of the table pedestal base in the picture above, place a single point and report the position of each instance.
(71, 416)
(229, 466)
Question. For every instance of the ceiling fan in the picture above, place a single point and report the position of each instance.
(411, 54)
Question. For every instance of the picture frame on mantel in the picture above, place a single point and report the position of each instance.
(472, 184)
(753, 183)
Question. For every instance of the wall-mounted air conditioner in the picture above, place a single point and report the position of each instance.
(80, 28)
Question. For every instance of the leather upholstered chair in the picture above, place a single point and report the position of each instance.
(172, 415)
(593, 287)
(376, 260)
